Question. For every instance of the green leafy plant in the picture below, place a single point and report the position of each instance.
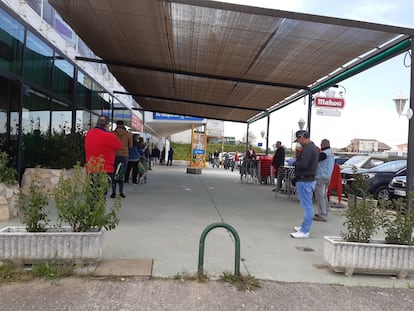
(10, 272)
(33, 205)
(398, 220)
(52, 270)
(81, 199)
(362, 219)
(357, 184)
(54, 150)
(7, 174)
(241, 282)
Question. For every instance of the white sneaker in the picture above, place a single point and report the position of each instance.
(299, 235)
(297, 228)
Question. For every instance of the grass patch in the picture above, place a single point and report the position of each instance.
(191, 277)
(241, 282)
(52, 270)
(10, 272)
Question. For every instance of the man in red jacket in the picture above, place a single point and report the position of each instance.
(100, 142)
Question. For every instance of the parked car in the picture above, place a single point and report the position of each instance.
(364, 161)
(397, 187)
(361, 163)
(340, 160)
(379, 177)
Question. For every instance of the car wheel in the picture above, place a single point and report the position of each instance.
(382, 194)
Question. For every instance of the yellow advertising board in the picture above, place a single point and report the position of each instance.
(198, 149)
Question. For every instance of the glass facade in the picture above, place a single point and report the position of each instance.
(47, 103)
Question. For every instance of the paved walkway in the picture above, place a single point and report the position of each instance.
(163, 221)
(158, 235)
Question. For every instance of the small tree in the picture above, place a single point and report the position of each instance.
(362, 217)
(81, 200)
(358, 183)
(398, 220)
(33, 205)
(362, 221)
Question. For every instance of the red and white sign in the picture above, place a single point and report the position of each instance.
(329, 102)
(136, 122)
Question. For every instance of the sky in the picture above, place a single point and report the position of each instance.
(369, 111)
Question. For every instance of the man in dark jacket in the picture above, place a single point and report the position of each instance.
(305, 171)
(278, 161)
(170, 156)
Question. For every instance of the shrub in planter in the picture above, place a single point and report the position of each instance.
(358, 184)
(81, 199)
(397, 220)
(361, 221)
(33, 206)
(362, 217)
(391, 256)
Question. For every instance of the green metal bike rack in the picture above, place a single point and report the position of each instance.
(237, 246)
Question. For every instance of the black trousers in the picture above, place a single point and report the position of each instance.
(132, 165)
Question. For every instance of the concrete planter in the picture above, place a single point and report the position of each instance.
(375, 257)
(16, 244)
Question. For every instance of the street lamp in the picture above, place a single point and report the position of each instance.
(342, 92)
(399, 102)
(301, 123)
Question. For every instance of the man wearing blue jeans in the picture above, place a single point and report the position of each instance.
(305, 170)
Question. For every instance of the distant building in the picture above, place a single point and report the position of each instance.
(360, 145)
(402, 149)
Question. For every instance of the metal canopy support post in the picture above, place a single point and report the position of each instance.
(267, 134)
(247, 136)
(410, 155)
(309, 112)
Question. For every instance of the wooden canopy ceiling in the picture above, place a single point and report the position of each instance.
(220, 61)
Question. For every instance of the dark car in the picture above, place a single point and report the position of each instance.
(397, 187)
(379, 177)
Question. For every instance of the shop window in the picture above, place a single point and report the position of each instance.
(38, 62)
(63, 74)
(11, 44)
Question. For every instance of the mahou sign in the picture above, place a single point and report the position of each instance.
(329, 102)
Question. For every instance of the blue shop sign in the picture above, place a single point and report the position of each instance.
(198, 151)
(166, 116)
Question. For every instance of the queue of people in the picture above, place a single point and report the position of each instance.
(124, 154)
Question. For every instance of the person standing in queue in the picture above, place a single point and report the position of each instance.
(121, 158)
(278, 161)
(133, 159)
(323, 177)
(305, 171)
(100, 142)
(170, 156)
